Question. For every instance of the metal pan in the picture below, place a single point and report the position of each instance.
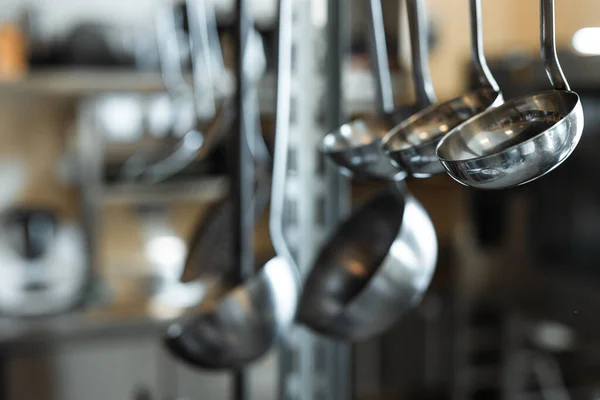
(523, 139)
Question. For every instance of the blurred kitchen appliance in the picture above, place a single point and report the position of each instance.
(13, 51)
(43, 265)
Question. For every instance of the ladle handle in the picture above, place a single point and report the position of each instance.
(379, 59)
(548, 46)
(484, 75)
(202, 68)
(419, 44)
(169, 52)
(282, 128)
(214, 42)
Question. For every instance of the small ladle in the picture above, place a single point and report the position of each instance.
(356, 146)
(412, 144)
(241, 324)
(523, 139)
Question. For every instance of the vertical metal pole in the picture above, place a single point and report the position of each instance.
(313, 367)
(339, 201)
(337, 45)
(242, 171)
(90, 161)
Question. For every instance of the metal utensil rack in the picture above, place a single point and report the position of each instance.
(313, 367)
(310, 367)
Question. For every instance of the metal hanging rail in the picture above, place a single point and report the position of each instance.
(242, 175)
(312, 367)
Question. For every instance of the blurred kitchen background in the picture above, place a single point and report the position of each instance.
(91, 253)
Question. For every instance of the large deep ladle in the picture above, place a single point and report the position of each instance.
(523, 139)
(356, 146)
(240, 325)
(374, 268)
(413, 142)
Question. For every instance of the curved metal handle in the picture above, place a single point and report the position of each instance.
(202, 68)
(379, 59)
(282, 130)
(548, 46)
(180, 93)
(214, 42)
(419, 48)
(484, 75)
(185, 152)
(254, 133)
(187, 149)
(169, 53)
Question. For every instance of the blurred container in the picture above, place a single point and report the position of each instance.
(13, 51)
(43, 265)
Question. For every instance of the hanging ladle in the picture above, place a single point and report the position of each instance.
(413, 142)
(242, 324)
(190, 137)
(374, 268)
(356, 146)
(377, 264)
(523, 139)
(210, 252)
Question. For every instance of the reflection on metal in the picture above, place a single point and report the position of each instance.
(90, 162)
(312, 367)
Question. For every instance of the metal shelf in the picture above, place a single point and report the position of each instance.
(70, 81)
(199, 190)
(358, 85)
(22, 333)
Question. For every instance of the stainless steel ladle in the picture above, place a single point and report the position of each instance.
(210, 254)
(356, 146)
(240, 325)
(378, 263)
(188, 135)
(413, 142)
(373, 269)
(523, 139)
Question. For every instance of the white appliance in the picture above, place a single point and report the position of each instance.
(43, 266)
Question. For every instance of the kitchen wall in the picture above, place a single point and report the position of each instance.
(508, 26)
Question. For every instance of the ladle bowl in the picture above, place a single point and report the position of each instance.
(523, 139)
(374, 268)
(355, 148)
(519, 141)
(412, 144)
(241, 325)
